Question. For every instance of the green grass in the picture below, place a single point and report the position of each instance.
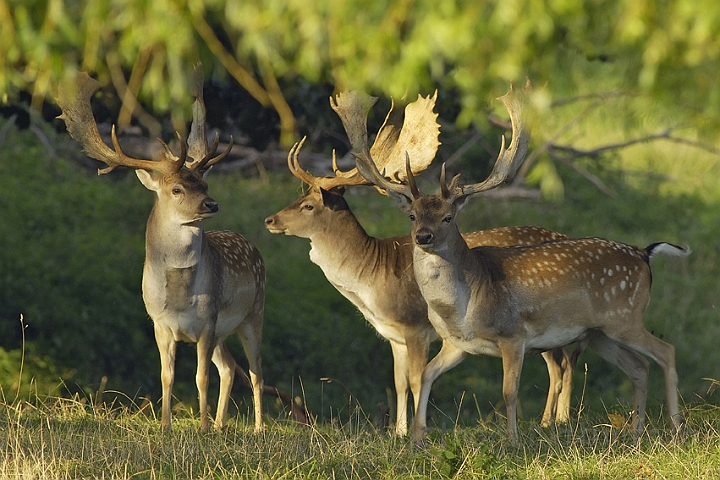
(67, 438)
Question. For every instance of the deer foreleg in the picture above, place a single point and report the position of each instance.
(167, 347)
(401, 373)
(448, 357)
(225, 364)
(513, 355)
(417, 349)
(205, 347)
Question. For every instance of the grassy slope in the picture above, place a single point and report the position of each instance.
(67, 439)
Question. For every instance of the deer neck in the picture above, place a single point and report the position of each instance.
(442, 275)
(342, 249)
(171, 245)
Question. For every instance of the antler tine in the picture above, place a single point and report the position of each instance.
(294, 164)
(509, 159)
(74, 101)
(411, 178)
(339, 173)
(208, 160)
(347, 179)
(367, 168)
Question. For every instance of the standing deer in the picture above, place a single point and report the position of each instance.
(197, 286)
(508, 302)
(374, 273)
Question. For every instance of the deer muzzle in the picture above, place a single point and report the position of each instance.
(272, 223)
(424, 237)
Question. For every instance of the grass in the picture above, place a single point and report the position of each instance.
(68, 438)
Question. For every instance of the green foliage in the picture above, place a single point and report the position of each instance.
(71, 262)
(669, 49)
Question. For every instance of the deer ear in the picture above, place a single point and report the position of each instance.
(461, 202)
(150, 181)
(333, 198)
(206, 171)
(403, 202)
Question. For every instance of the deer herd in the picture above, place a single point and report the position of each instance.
(504, 292)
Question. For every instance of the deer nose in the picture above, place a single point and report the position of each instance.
(211, 205)
(270, 220)
(423, 237)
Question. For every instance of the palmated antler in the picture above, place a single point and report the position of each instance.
(74, 101)
(507, 163)
(198, 149)
(415, 132)
(412, 132)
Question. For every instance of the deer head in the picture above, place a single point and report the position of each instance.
(433, 216)
(179, 181)
(414, 129)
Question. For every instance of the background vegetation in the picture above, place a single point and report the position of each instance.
(625, 146)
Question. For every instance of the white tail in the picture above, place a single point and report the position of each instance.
(198, 287)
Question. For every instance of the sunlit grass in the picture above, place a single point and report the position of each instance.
(66, 438)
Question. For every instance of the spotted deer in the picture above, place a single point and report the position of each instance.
(197, 286)
(376, 274)
(512, 301)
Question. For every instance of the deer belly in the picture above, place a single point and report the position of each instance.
(553, 337)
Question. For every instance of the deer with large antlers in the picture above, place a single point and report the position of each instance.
(376, 274)
(197, 286)
(509, 302)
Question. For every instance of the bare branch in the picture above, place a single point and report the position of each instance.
(589, 176)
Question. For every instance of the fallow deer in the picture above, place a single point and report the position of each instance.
(197, 286)
(374, 273)
(509, 302)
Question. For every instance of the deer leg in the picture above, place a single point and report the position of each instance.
(250, 332)
(225, 364)
(448, 357)
(512, 361)
(635, 366)
(663, 354)
(417, 350)
(569, 361)
(205, 347)
(167, 347)
(554, 366)
(401, 370)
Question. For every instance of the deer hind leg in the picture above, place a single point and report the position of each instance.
(635, 366)
(225, 364)
(448, 357)
(250, 333)
(553, 360)
(401, 373)
(167, 348)
(663, 354)
(569, 361)
(205, 347)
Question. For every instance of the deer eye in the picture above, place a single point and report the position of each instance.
(412, 217)
(308, 207)
(447, 219)
(176, 191)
